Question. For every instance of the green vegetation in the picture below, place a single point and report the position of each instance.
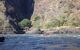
(36, 18)
(73, 21)
(25, 23)
(52, 24)
(36, 22)
(60, 21)
(69, 21)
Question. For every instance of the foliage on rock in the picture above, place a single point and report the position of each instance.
(25, 23)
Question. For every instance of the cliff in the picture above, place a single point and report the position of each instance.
(44, 14)
(51, 13)
(3, 20)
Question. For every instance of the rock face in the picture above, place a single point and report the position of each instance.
(2, 15)
(17, 10)
(49, 10)
(2, 10)
(20, 9)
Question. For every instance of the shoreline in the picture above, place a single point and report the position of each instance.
(46, 32)
(42, 35)
(57, 30)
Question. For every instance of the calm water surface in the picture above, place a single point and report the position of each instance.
(36, 42)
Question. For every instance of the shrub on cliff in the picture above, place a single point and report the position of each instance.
(73, 21)
(36, 18)
(69, 21)
(56, 22)
(36, 22)
(25, 23)
(62, 20)
(51, 24)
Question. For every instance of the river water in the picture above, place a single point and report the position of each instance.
(41, 42)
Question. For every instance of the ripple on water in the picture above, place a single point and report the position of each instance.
(40, 43)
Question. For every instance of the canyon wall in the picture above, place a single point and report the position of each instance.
(50, 10)
(55, 8)
(47, 11)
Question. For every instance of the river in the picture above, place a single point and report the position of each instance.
(41, 42)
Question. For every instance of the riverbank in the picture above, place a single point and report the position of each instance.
(56, 30)
(41, 35)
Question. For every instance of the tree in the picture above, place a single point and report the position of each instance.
(25, 23)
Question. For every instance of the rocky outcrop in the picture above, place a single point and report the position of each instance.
(49, 10)
(56, 8)
(2, 15)
(17, 10)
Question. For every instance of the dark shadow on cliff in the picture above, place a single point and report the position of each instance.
(17, 10)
